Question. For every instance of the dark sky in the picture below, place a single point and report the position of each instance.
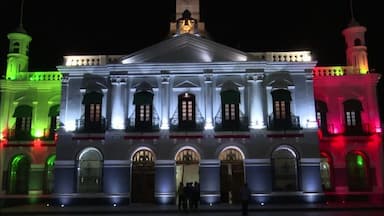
(69, 27)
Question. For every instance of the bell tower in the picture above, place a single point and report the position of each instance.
(187, 19)
(356, 50)
(17, 57)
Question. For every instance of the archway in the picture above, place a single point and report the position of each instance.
(143, 176)
(284, 165)
(49, 174)
(231, 174)
(187, 166)
(18, 178)
(358, 171)
(326, 172)
(89, 171)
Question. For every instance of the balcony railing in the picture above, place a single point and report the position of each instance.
(13, 134)
(286, 124)
(241, 125)
(362, 130)
(132, 127)
(198, 125)
(91, 127)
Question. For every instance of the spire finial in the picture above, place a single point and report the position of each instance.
(21, 13)
(353, 21)
(351, 8)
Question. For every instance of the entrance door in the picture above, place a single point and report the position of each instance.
(231, 175)
(143, 177)
(231, 178)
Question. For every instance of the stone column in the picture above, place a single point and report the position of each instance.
(164, 94)
(208, 100)
(117, 104)
(256, 100)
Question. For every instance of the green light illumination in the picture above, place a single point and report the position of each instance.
(359, 160)
(51, 161)
(13, 172)
(17, 58)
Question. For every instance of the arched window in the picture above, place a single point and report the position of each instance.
(90, 171)
(143, 158)
(92, 102)
(187, 111)
(358, 171)
(352, 114)
(321, 116)
(326, 172)
(357, 42)
(16, 47)
(284, 165)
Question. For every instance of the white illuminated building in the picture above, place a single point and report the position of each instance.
(188, 109)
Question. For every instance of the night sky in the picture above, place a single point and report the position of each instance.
(70, 27)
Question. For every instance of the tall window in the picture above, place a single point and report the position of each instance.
(94, 112)
(281, 109)
(143, 100)
(23, 114)
(54, 116)
(187, 113)
(92, 117)
(352, 110)
(230, 100)
(321, 116)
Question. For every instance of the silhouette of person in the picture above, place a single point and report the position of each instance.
(181, 196)
(244, 195)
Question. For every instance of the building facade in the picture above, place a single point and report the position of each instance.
(188, 109)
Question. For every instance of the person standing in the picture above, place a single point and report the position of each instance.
(181, 196)
(244, 195)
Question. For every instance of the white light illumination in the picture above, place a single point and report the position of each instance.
(307, 58)
(70, 125)
(208, 125)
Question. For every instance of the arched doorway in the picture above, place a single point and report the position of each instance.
(358, 171)
(284, 165)
(187, 166)
(326, 172)
(143, 176)
(89, 171)
(49, 173)
(231, 174)
(18, 178)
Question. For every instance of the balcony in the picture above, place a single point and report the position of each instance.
(91, 127)
(153, 126)
(197, 125)
(284, 124)
(240, 125)
(358, 130)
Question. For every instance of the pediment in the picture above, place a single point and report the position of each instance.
(185, 48)
(186, 84)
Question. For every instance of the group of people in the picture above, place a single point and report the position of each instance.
(188, 196)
